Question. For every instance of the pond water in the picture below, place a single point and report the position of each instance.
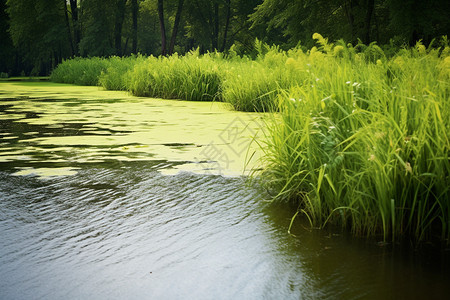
(108, 196)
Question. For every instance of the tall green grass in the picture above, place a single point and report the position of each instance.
(80, 71)
(366, 144)
(253, 85)
(190, 77)
(116, 76)
(111, 73)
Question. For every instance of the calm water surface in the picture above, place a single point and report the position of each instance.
(105, 196)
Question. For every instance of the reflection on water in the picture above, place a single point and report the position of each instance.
(88, 212)
(130, 232)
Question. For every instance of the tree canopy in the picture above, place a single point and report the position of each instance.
(37, 35)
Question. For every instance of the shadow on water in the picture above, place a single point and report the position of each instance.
(90, 214)
(340, 266)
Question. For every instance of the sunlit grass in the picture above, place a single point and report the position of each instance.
(115, 76)
(366, 144)
(189, 77)
(80, 71)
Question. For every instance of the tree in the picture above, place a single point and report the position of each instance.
(162, 26)
(237, 32)
(7, 51)
(271, 19)
(75, 25)
(98, 22)
(135, 11)
(213, 25)
(298, 20)
(409, 20)
(369, 14)
(227, 24)
(415, 20)
(118, 23)
(148, 31)
(69, 31)
(175, 26)
(38, 32)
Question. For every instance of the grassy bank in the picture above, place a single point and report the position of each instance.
(364, 142)
(247, 84)
(360, 137)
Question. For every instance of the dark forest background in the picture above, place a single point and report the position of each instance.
(37, 35)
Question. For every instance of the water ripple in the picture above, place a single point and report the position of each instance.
(143, 225)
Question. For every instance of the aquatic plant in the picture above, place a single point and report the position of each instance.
(80, 71)
(189, 77)
(366, 145)
(253, 85)
(116, 75)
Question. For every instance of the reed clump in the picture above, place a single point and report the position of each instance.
(364, 142)
(189, 77)
(80, 71)
(115, 77)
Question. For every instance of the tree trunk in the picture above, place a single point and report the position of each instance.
(175, 26)
(161, 26)
(76, 25)
(126, 45)
(349, 11)
(377, 28)
(215, 37)
(118, 24)
(370, 7)
(135, 11)
(207, 23)
(69, 32)
(227, 24)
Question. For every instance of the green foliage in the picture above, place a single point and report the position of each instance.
(254, 85)
(116, 75)
(381, 20)
(81, 71)
(37, 29)
(149, 38)
(7, 55)
(365, 144)
(190, 77)
(206, 24)
(97, 38)
(413, 20)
